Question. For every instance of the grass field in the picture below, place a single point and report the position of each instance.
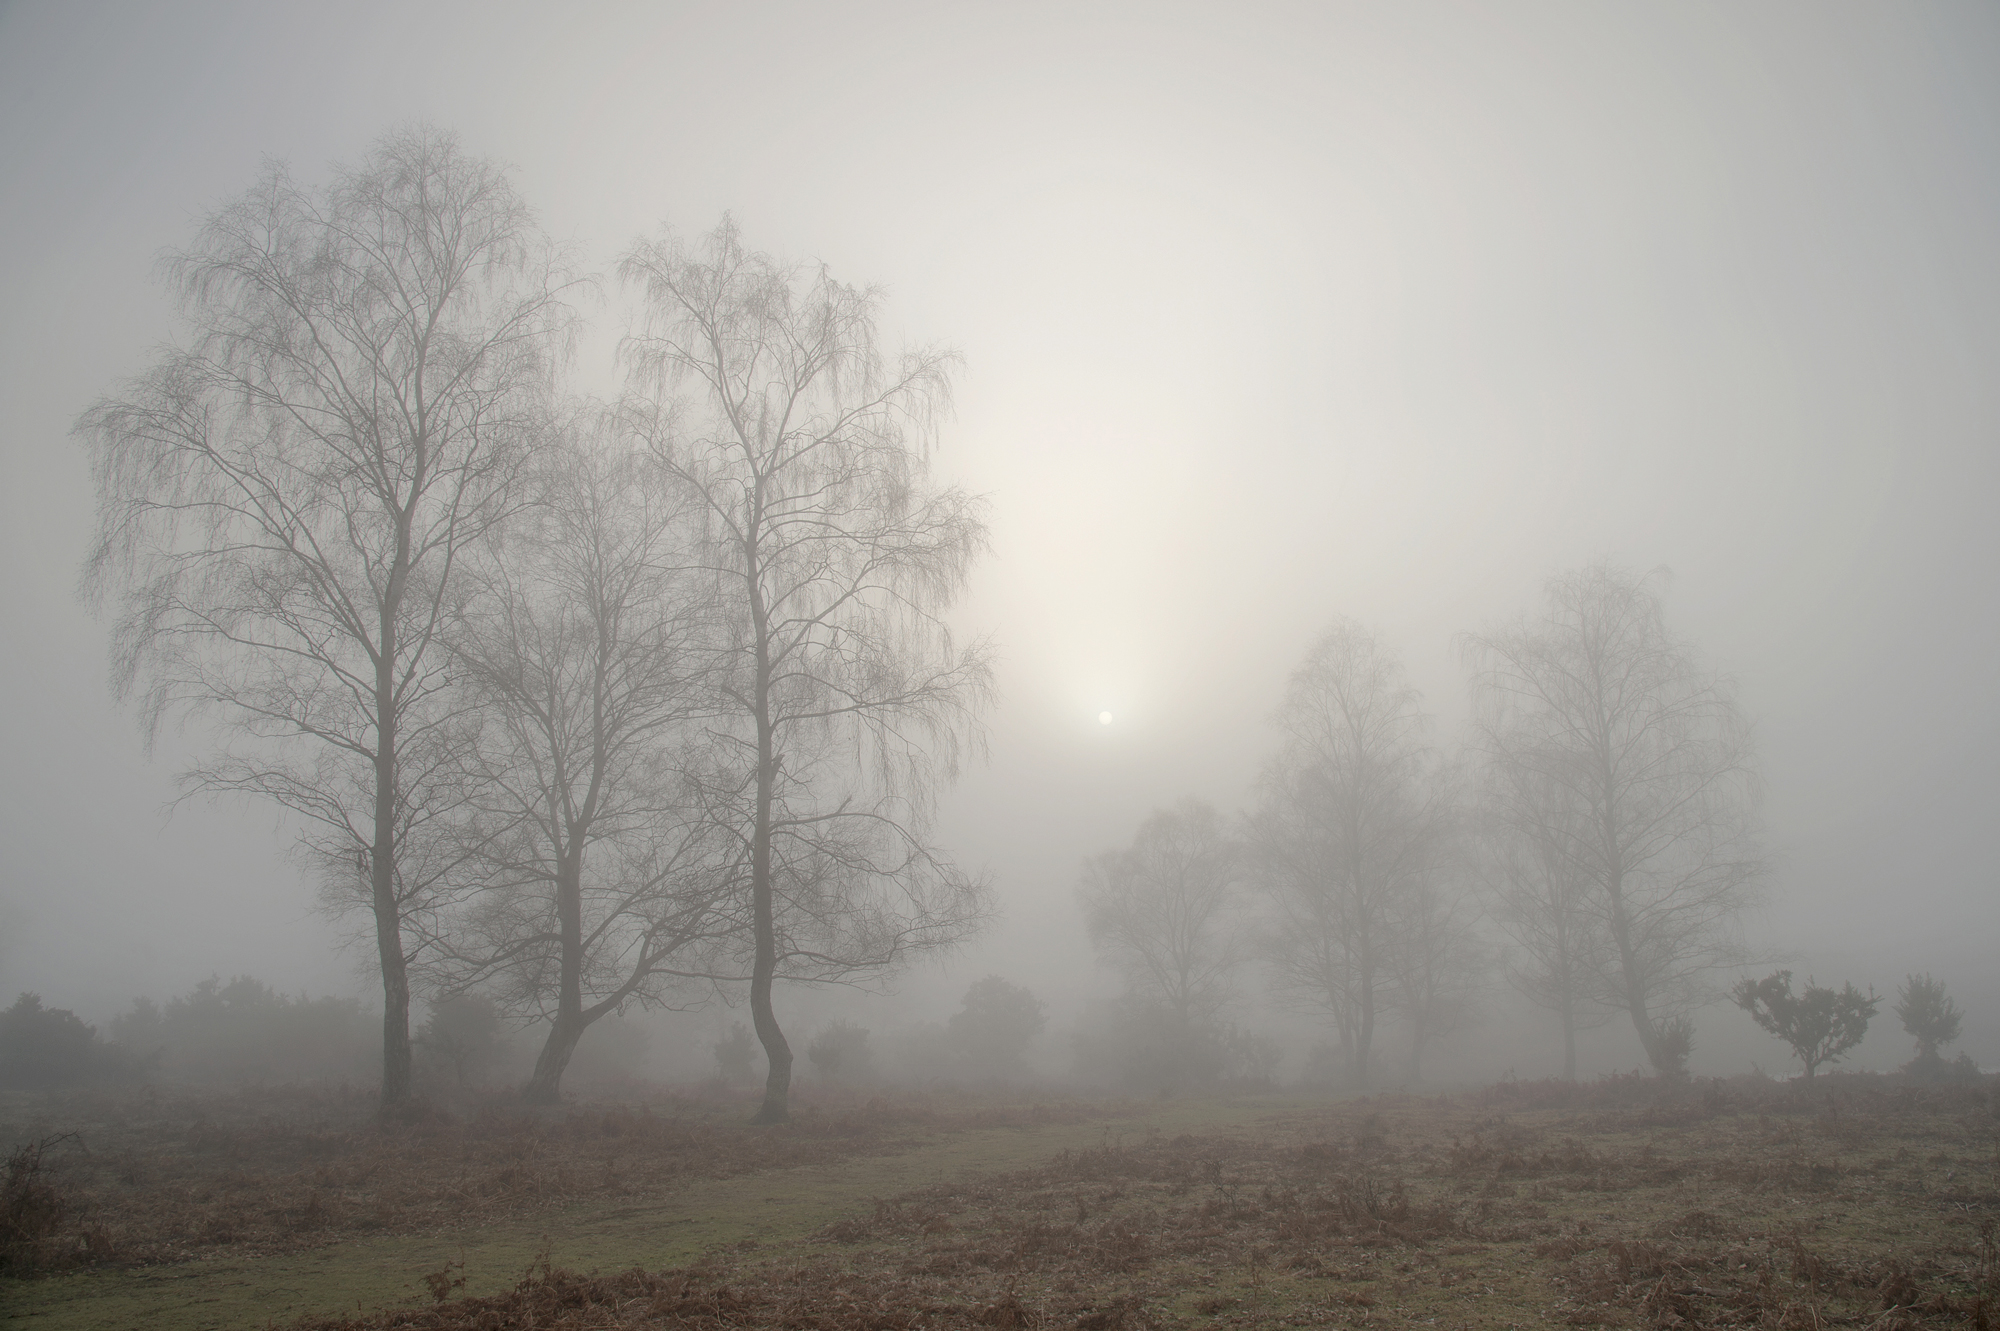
(1854, 1202)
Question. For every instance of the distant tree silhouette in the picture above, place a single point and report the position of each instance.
(1352, 847)
(1632, 774)
(1819, 1024)
(991, 1031)
(1163, 911)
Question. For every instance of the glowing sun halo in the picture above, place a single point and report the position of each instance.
(1104, 718)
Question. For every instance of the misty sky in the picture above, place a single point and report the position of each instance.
(1271, 314)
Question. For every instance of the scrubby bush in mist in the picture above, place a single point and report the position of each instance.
(1930, 1015)
(990, 1033)
(1250, 1056)
(246, 1031)
(1674, 1045)
(462, 1036)
(42, 1047)
(734, 1053)
(840, 1053)
(1819, 1024)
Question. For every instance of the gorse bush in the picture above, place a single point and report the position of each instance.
(1819, 1024)
(1932, 1019)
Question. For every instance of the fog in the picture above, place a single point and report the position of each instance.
(1269, 318)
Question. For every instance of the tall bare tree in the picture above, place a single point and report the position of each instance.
(1541, 897)
(581, 635)
(1164, 911)
(1653, 790)
(285, 497)
(1349, 822)
(1438, 959)
(843, 703)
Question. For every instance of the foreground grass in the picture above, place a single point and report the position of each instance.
(1853, 1203)
(209, 1235)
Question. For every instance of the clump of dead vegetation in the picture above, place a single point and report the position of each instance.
(174, 1178)
(32, 1211)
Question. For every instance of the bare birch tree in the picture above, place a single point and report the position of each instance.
(1348, 822)
(284, 498)
(1164, 911)
(1653, 766)
(1438, 959)
(581, 637)
(843, 703)
(1541, 898)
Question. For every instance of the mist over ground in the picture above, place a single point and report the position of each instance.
(1388, 314)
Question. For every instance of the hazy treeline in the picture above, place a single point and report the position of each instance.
(583, 705)
(1590, 842)
(217, 1033)
(243, 1032)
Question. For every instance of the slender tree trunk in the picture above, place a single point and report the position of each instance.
(545, 1086)
(382, 869)
(395, 978)
(1364, 1036)
(1569, 1038)
(777, 1052)
(1633, 990)
(1566, 997)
